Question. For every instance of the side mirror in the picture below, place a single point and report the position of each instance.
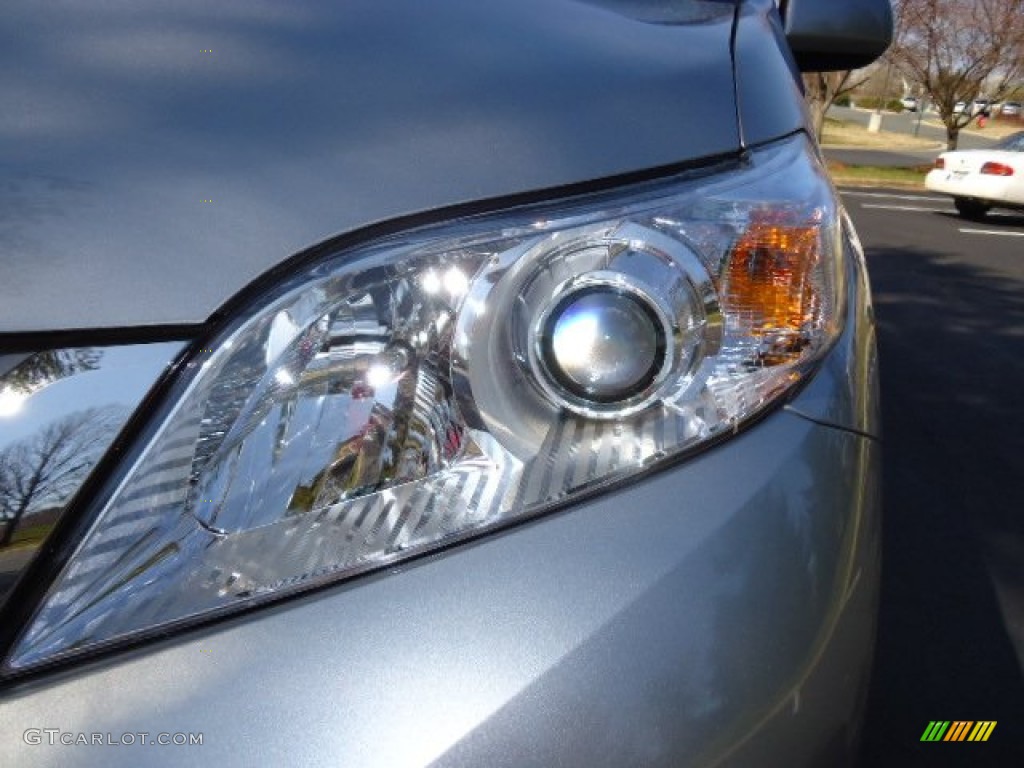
(827, 35)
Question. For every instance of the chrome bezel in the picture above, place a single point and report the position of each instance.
(672, 283)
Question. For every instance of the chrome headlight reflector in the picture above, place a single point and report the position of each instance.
(398, 396)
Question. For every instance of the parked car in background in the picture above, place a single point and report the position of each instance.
(982, 179)
(428, 384)
(909, 103)
(1011, 109)
(977, 107)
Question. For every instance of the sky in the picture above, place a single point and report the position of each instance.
(124, 375)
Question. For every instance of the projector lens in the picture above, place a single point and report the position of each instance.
(603, 345)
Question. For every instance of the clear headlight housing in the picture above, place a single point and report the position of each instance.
(398, 396)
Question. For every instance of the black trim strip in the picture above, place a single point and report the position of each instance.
(831, 424)
(41, 341)
(733, 32)
(577, 193)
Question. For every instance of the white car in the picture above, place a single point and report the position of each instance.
(981, 107)
(980, 179)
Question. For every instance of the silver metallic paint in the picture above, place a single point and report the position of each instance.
(768, 89)
(306, 121)
(673, 619)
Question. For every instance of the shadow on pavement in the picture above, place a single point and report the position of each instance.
(994, 220)
(951, 341)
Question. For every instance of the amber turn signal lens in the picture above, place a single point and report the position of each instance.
(768, 287)
(940, 163)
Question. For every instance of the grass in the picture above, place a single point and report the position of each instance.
(877, 175)
(995, 129)
(843, 133)
(30, 536)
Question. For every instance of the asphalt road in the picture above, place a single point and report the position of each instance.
(949, 299)
(878, 157)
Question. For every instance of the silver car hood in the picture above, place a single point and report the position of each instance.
(155, 161)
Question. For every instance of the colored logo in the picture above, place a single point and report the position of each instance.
(958, 730)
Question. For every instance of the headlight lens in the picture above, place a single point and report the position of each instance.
(414, 391)
(602, 344)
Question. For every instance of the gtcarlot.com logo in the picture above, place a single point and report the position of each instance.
(55, 736)
(958, 730)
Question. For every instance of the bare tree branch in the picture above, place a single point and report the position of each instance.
(47, 468)
(958, 50)
(823, 89)
(44, 368)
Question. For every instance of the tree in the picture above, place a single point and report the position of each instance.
(959, 50)
(46, 469)
(823, 89)
(43, 368)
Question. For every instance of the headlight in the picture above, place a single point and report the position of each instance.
(399, 396)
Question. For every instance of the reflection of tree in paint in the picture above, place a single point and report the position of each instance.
(44, 368)
(42, 472)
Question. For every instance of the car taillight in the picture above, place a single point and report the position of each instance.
(940, 163)
(997, 169)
